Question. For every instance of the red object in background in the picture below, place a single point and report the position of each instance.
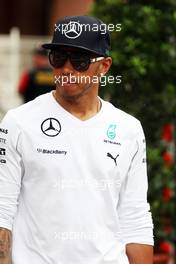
(166, 247)
(167, 134)
(161, 259)
(167, 194)
(168, 158)
(168, 229)
(23, 84)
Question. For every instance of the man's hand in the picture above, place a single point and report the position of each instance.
(5, 245)
(139, 253)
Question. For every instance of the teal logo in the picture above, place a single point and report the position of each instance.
(111, 132)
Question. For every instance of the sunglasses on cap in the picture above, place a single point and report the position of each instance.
(80, 61)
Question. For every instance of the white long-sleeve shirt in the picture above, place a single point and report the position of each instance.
(72, 191)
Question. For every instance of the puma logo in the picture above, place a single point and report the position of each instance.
(114, 159)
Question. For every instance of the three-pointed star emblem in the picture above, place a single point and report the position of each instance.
(51, 127)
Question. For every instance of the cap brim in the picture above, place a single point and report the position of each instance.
(52, 46)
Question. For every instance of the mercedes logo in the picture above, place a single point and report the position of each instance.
(51, 127)
(72, 30)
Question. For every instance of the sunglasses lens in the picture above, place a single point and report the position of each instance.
(80, 62)
(57, 59)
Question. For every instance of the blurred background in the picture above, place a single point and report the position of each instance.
(143, 52)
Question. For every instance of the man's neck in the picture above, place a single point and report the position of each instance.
(84, 108)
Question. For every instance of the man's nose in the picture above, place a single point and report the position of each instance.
(67, 68)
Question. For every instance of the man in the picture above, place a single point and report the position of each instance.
(39, 79)
(73, 179)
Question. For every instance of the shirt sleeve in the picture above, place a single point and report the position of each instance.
(10, 170)
(133, 210)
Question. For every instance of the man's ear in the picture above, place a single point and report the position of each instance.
(105, 65)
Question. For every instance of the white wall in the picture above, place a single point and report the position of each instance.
(15, 57)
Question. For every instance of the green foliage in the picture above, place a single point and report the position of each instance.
(161, 176)
(144, 53)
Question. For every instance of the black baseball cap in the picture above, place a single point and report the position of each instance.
(83, 32)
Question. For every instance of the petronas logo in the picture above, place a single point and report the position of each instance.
(111, 132)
